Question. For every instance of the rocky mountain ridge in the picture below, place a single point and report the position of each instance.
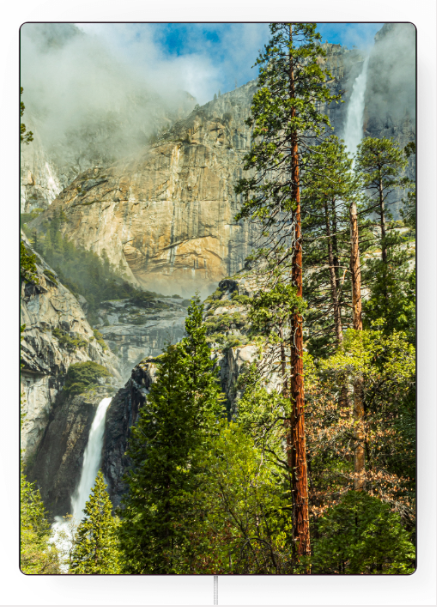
(56, 335)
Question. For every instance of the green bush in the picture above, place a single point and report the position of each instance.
(28, 270)
(83, 376)
(361, 535)
(50, 276)
(100, 340)
(242, 299)
(68, 342)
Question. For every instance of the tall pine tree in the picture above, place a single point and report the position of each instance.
(287, 120)
(390, 274)
(330, 187)
(37, 554)
(180, 415)
(96, 545)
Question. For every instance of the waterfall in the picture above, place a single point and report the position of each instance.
(62, 529)
(353, 130)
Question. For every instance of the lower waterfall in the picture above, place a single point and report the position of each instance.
(62, 529)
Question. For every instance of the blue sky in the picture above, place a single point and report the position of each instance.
(204, 58)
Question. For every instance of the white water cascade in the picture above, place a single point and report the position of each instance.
(353, 131)
(61, 529)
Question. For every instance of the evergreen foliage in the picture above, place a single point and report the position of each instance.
(28, 270)
(25, 136)
(288, 121)
(390, 276)
(330, 187)
(180, 416)
(362, 536)
(65, 340)
(96, 546)
(83, 376)
(276, 115)
(37, 555)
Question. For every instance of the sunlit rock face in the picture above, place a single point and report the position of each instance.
(166, 216)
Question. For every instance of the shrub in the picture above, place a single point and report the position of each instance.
(100, 340)
(28, 270)
(361, 535)
(83, 376)
(242, 299)
(50, 276)
(68, 342)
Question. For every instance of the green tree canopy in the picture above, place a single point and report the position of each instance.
(96, 545)
(362, 535)
(37, 554)
(179, 417)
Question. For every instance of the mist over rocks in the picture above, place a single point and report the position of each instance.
(86, 106)
(391, 92)
(166, 215)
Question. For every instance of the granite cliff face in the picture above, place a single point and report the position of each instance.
(121, 416)
(56, 335)
(134, 332)
(40, 181)
(166, 217)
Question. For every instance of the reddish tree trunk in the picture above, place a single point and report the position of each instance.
(301, 528)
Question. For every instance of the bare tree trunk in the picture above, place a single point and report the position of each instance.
(335, 289)
(287, 423)
(382, 222)
(301, 529)
(383, 235)
(359, 459)
(355, 268)
(332, 262)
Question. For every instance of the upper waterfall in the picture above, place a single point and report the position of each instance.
(353, 130)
